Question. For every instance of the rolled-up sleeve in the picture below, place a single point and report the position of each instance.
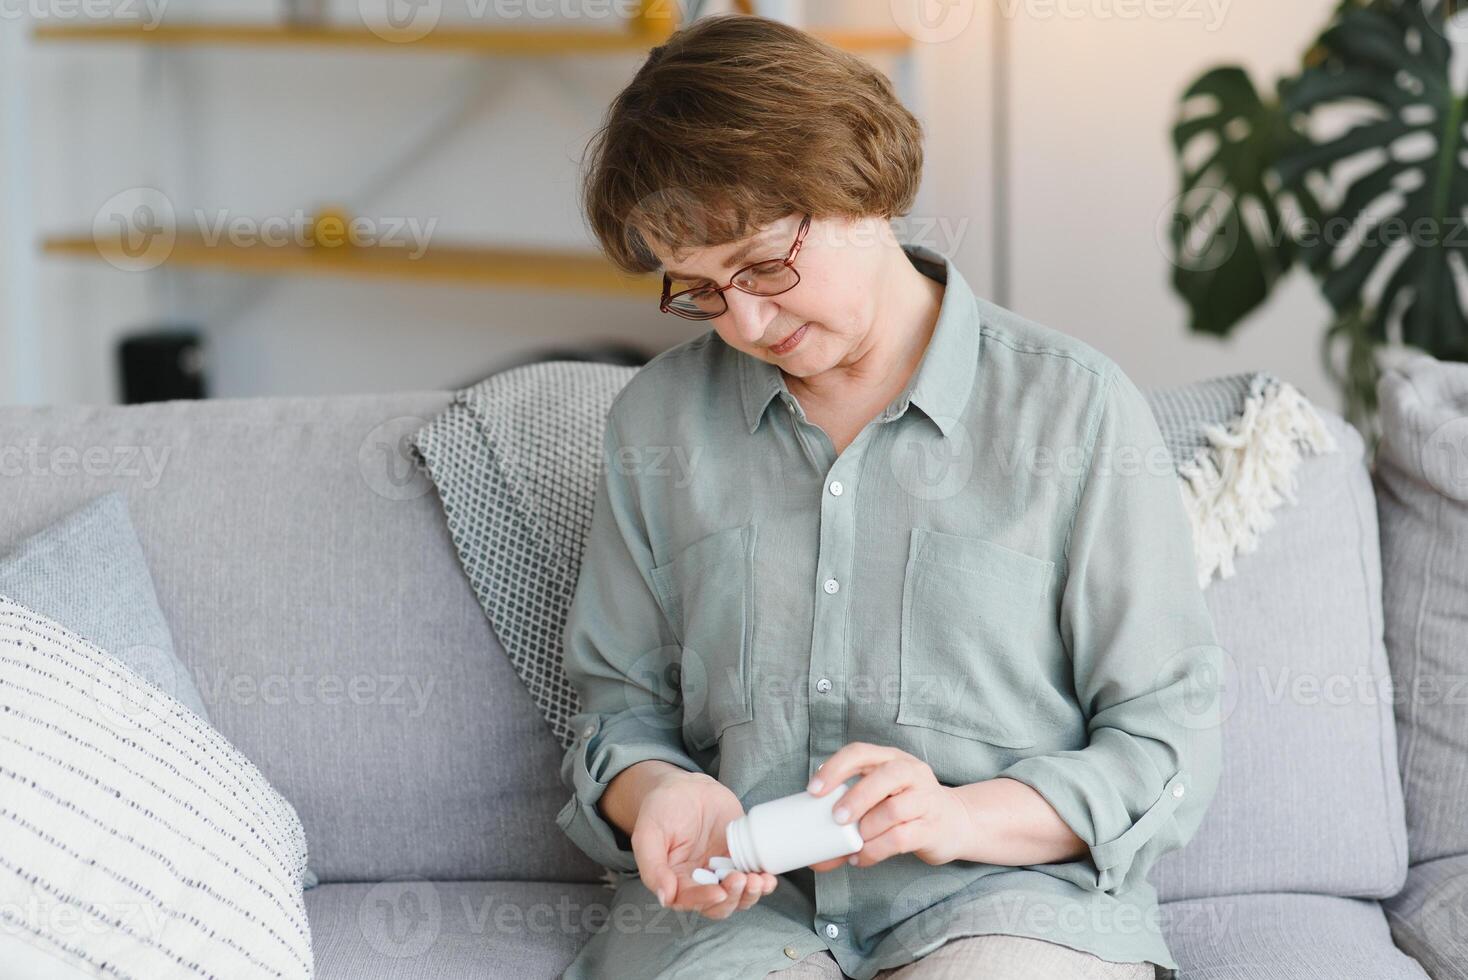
(1146, 661)
(622, 659)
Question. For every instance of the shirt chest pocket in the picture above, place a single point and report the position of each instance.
(974, 624)
(707, 592)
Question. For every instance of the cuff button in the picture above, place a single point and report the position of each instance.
(792, 952)
(1178, 790)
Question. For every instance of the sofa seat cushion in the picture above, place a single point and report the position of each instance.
(1283, 936)
(446, 930)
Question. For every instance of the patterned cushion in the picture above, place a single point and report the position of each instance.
(515, 460)
(138, 842)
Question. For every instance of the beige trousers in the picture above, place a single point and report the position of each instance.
(996, 957)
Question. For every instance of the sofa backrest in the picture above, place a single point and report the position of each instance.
(1309, 799)
(315, 596)
(314, 593)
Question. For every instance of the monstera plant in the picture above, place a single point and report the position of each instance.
(1374, 210)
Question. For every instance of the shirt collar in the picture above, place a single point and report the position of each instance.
(944, 378)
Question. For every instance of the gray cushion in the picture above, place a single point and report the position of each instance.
(315, 596)
(1309, 799)
(1284, 937)
(87, 572)
(1422, 499)
(452, 930)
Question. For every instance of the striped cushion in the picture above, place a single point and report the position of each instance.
(137, 842)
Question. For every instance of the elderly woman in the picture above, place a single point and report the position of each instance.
(867, 529)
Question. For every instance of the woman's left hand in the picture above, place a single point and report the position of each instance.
(898, 805)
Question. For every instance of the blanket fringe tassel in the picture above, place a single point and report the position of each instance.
(1248, 470)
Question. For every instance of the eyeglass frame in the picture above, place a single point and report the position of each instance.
(788, 261)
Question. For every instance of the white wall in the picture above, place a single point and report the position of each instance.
(265, 132)
(1094, 99)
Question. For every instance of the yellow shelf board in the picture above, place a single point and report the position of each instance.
(579, 270)
(548, 42)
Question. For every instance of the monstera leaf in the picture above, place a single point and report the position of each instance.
(1390, 60)
(1229, 241)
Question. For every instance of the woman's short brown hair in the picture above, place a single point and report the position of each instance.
(736, 121)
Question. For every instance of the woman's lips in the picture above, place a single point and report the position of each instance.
(790, 343)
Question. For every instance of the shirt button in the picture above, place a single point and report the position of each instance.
(1178, 790)
(836, 488)
(588, 731)
(823, 685)
(831, 586)
(792, 952)
(831, 931)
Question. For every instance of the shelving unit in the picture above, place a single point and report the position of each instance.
(464, 262)
(515, 42)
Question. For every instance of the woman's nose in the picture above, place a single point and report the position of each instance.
(751, 315)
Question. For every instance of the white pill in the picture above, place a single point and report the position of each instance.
(705, 877)
(723, 873)
(720, 861)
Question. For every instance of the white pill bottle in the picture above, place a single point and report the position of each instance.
(792, 832)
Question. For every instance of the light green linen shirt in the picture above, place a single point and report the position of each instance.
(995, 576)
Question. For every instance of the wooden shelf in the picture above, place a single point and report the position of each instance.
(528, 42)
(580, 270)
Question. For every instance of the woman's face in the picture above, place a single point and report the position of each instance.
(817, 324)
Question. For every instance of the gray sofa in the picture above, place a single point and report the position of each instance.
(315, 595)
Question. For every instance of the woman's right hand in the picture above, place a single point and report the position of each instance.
(680, 825)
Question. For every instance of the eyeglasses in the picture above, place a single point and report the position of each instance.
(768, 278)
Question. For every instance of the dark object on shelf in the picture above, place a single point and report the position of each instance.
(610, 352)
(161, 365)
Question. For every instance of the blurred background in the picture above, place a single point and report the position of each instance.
(239, 198)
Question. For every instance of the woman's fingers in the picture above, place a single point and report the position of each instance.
(851, 759)
(650, 847)
(734, 885)
(700, 898)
